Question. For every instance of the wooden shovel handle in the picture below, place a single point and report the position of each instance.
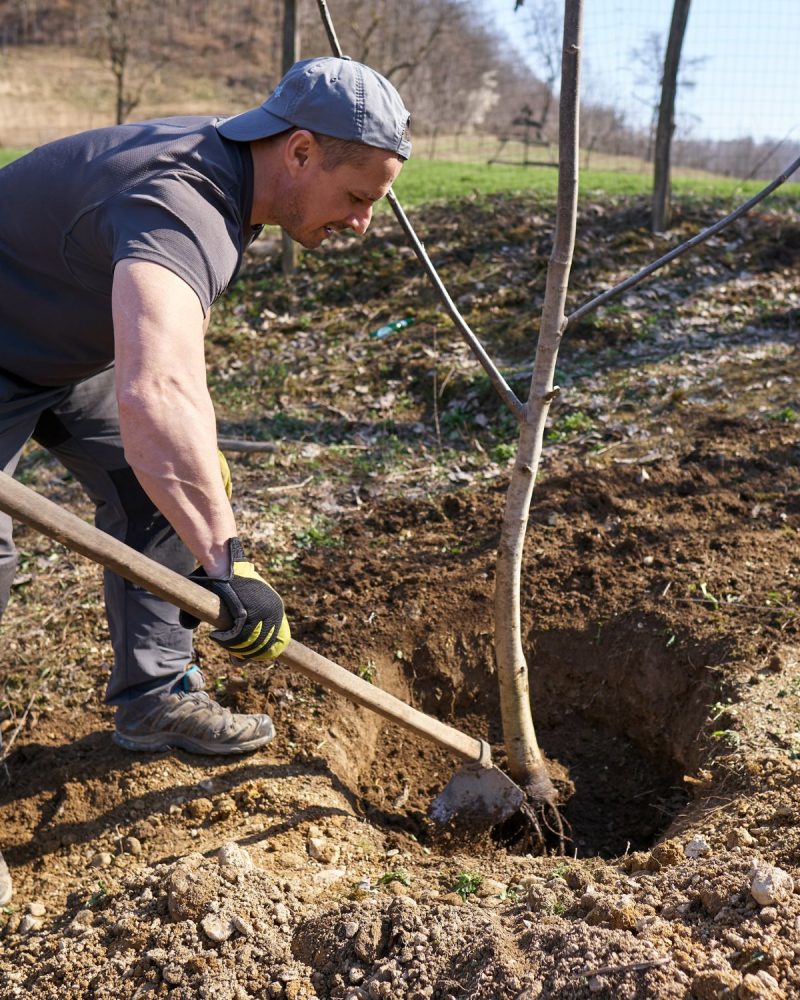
(38, 512)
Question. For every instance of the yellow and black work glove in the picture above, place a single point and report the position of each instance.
(224, 468)
(260, 630)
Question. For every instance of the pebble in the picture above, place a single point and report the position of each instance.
(698, 847)
(29, 923)
(216, 927)
(234, 855)
(244, 927)
(101, 860)
(323, 850)
(739, 837)
(328, 876)
(769, 884)
(35, 908)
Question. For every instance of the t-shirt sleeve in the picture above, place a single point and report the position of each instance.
(178, 221)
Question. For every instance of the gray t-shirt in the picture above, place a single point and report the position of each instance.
(174, 192)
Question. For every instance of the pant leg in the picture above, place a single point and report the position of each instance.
(151, 648)
(20, 407)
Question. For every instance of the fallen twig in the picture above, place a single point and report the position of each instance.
(289, 486)
(610, 970)
(237, 444)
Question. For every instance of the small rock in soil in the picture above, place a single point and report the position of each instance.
(769, 884)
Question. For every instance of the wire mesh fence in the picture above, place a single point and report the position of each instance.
(737, 112)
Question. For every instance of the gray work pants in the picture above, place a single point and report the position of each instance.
(79, 424)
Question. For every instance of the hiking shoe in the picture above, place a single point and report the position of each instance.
(188, 721)
(5, 883)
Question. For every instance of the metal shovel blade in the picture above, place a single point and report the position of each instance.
(478, 796)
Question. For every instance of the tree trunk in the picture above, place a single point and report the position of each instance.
(662, 208)
(526, 763)
(291, 53)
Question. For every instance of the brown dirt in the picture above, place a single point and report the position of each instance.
(660, 622)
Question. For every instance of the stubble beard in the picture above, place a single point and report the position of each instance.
(292, 225)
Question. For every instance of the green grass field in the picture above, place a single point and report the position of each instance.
(7, 155)
(425, 180)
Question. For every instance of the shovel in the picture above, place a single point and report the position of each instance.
(478, 795)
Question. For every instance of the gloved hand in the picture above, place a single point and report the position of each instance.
(260, 630)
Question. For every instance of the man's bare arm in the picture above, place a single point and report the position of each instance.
(166, 415)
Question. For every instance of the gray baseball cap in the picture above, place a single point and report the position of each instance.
(336, 97)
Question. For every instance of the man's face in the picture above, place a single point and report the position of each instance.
(323, 202)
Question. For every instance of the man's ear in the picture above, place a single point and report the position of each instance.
(299, 150)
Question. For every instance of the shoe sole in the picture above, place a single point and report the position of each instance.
(159, 743)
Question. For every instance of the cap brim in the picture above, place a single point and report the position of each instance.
(254, 124)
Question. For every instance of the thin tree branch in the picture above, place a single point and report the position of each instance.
(422, 52)
(239, 444)
(330, 31)
(701, 237)
(610, 970)
(500, 385)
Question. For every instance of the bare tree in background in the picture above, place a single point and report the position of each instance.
(542, 19)
(662, 206)
(381, 36)
(129, 37)
(649, 60)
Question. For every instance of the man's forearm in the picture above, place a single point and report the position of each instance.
(166, 415)
(180, 473)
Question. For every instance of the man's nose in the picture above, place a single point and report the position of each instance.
(359, 219)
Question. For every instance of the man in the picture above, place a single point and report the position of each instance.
(113, 246)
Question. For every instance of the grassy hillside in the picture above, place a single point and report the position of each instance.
(47, 91)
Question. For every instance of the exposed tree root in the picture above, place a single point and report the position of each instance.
(538, 826)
